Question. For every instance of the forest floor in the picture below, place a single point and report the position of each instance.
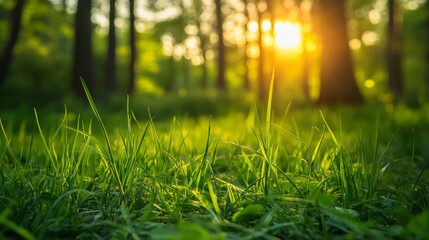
(300, 173)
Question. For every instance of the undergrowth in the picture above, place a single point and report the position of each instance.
(257, 176)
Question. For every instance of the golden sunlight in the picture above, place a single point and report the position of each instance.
(266, 25)
(288, 35)
(369, 83)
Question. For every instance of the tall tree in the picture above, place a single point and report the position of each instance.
(221, 47)
(246, 80)
(271, 54)
(427, 49)
(305, 19)
(337, 80)
(64, 6)
(172, 29)
(133, 50)
(110, 68)
(82, 55)
(262, 93)
(204, 39)
(6, 57)
(394, 49)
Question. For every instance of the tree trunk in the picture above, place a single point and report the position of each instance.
(203, 46)
(246, 79)
(337, 81)
(204, 74)
(82, 58)
(394, 51)
(199, 9)
(270, 53)
(111, 51)
(133, 50)
(221, 47)
(172, 74)
(64, 6)
(427, 52)
(305, 71)
(186, 73)
(203, 42)
(262, 93)
(6, 57)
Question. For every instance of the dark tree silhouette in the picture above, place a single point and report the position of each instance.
(337, 81)
(64, 6)
(111, 50)
(221, 47)
(262, 93)
(305, 72)
(427, 50)
(394, 50)
(204, 40)
(6, 57)
(82, 59)
(133, 50)
(246, 79)
(270, 52)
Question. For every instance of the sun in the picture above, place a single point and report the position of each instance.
(287, 35)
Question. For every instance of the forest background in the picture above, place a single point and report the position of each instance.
(168, 49)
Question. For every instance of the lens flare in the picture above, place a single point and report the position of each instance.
(288, 35)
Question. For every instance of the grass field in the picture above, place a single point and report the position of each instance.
(299, 173)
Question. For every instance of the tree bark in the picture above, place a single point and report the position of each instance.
(262, 93)
(337, 80)
(246, 79)
(82, 60)
(6, 57)
(221, 47)
(394, 51)
(133, 50)
(64, 6)
(305, 71)
(203, 46)
(427, 52)
(198, 8)
(203, 42)
(110, 70)
(270, 53)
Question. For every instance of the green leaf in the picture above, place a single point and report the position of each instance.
(249, 212)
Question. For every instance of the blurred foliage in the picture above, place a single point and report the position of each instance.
(167, 64)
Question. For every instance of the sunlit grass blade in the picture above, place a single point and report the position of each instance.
(45, 145)
(111, 161)
(329, 129)
(201, 171)
(290, 181)
(8, 148)
(269, 107)
(214, 199)
(293, 136)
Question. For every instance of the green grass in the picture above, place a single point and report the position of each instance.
(355, 173)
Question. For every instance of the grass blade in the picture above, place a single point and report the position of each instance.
(111, 161)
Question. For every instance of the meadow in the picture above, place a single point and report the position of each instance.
(284, 172)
